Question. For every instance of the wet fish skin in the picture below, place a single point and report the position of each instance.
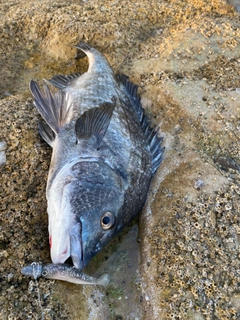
(63, 272)
(104, 157)
(3, 147)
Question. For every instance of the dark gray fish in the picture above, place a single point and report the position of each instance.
(63, 272)
(104, 157)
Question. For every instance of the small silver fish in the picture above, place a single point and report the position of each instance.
(104, 156)
(63, 272)
(2, 152)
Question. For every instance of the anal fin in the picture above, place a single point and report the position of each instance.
(46, 133)
(54, 107)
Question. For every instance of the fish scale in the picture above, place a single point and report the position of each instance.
(104, 156)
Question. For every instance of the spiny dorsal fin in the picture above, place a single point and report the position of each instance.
(53, 107)
(94, 122)
(46, 133)
(151, 134)
(61, 81)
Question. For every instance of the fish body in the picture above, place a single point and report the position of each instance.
(104, 157)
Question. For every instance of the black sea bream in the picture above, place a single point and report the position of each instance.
(104, 157)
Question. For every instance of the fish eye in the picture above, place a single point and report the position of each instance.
(107, 220)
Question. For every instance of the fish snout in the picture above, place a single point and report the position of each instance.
(60, 256)
(68, 245)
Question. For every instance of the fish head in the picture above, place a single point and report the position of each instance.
(99, 224)
(83, 208)
(62, 225)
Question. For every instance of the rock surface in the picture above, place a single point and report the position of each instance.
(185, 56)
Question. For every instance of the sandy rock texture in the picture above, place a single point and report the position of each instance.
(183, 263)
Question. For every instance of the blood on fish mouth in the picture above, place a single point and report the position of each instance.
(50, 241)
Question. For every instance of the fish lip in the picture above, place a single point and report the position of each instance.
(76, 247)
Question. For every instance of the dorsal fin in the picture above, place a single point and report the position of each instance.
(94, 122)
(46, 133)
(151, 134)
(53, 107)
(61, 81)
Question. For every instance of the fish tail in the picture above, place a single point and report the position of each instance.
(83, 46)
(103, 280)
(97, 61)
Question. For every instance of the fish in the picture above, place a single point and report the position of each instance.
(63, 272)
(104, 155)
(3, 147)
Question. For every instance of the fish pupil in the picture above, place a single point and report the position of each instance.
(106, 220)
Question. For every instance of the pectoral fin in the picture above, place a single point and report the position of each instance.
(94, 122)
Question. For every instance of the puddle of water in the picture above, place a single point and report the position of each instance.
(122, 298)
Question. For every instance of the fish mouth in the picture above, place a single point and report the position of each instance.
(76, 248)
(71, 252)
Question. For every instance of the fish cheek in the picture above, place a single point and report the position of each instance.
(107, 236)
(94, 237)
(90, 240)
